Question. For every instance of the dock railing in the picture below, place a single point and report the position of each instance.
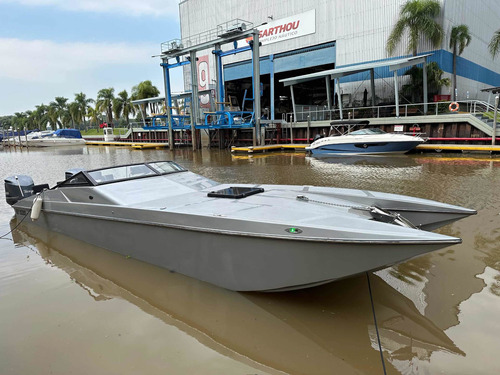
(474, 107)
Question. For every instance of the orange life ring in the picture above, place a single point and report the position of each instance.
(454, 107)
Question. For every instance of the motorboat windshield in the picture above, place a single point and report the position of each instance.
(368, 131)
(122, 173)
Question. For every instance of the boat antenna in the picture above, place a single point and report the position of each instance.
(20, 188)
(376, 325)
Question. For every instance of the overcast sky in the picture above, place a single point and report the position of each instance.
(52, 48)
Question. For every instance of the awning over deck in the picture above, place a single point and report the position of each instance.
(337, 73)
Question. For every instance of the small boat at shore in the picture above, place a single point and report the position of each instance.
(241, 237)
(362, 141)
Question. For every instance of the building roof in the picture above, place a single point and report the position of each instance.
(493, 90)
(353, 69)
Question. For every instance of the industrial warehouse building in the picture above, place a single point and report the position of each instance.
(301, 37)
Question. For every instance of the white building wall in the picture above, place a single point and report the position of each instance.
(359, 27)
(483, 18)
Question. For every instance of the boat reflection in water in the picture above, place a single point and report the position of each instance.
(373, 161)
(314, 331)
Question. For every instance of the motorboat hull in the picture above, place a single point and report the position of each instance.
(366, 147)
(235, 262)
(52, 142)
(245, 237)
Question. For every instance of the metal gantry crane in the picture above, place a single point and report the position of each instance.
(228, 32)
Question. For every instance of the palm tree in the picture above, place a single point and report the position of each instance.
(494, 46)
(459, 39)
(122, 105)
(144, 90)
(19, 120)
(60, 104)
(41, 116)
(52, 115)
(83, 103)
(75, 114)
(434, 81)
(93, 114)
(418, 17)
(66, 118)
(30, 119)
(105, 102)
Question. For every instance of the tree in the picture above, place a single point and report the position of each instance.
(6, 122)
(41, 116)
(459, 39)
(494, 46)
(434, 82)
(19, 120)
(418, 18)
(60, 105)
(75, 114)
(144, 90)
(122, 105)
(52, 115)
(66, 118)
(105, 103)
(93, 114)
(29, 122)
(83, 103)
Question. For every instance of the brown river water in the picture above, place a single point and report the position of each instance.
(67, 307)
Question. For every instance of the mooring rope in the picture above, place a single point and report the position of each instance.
(19, 223)
(13, 229)
(376, 325)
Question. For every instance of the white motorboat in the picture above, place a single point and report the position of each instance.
(238, 236)
(60, 137)
(363, 141)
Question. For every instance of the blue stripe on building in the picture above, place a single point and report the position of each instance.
(465, 68)
(326, 54)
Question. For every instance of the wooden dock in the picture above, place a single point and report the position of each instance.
(458, 148)
(254, 149)
(135, 145)
(425, 147)
(302, 147)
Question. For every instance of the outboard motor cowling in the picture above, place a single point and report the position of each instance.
(17, 188)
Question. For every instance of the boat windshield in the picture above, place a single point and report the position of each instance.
(368, 131)
(127, 172)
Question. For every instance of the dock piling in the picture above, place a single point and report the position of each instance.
(494, 129)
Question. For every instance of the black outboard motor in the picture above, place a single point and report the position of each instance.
(17, 188)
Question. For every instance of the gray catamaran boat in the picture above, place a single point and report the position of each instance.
(238, 236)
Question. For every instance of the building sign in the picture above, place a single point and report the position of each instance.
(286, 28)
(203, 80)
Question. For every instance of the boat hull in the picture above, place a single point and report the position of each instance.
(53, 142)
(355, 148)
(235, 262)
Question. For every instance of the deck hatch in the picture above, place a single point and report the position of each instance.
(235, 192)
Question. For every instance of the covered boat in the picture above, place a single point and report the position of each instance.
(238, 236)
(362, 141)
(60, 137)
